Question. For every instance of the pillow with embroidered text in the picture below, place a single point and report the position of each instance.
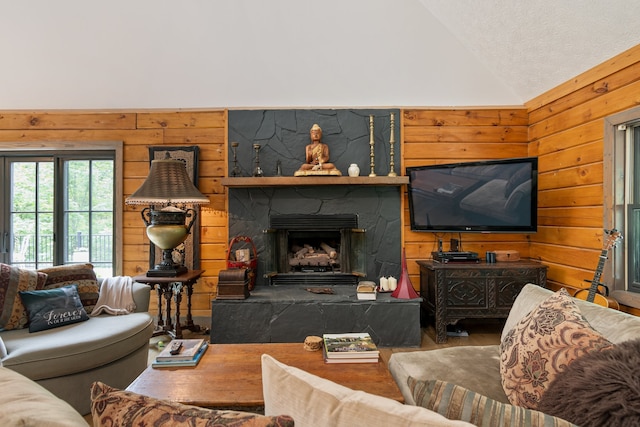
(52, 308)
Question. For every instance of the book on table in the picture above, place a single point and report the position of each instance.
(355, 347)
(187, 351)
(368, 359)
(177, 363)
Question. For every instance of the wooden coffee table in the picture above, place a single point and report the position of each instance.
(230, 376)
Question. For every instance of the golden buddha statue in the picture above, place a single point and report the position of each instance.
(317, 157)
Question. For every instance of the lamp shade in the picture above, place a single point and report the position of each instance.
(167, 183)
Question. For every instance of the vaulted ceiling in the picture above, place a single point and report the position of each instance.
(296, 53)
(535, 45)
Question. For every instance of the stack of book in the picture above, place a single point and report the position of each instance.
(349, 348)
(181, 353)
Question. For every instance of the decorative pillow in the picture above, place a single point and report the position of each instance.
(26, 403)
(313, 401)
(599, 389)
(82, 275)
(458, 403)
(543, 344)
(13, 280)
(51, 308)
(110, 406)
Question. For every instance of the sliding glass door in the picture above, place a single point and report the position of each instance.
(58, 209)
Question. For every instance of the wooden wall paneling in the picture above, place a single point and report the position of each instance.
(573, 137)
(587, 195)
(211, 138)
(597, 108)
(181, 119)
(21, 120)
(451, 152)
(460, 133)
(580, 216)
(571, 177)
(469, 117)
(578, 257)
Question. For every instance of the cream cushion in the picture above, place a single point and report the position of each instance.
(25, 403)
(314, 401)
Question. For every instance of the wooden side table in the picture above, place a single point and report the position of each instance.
(454, 291)
(171, 288)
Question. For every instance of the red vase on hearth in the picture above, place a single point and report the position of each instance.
(405, 288)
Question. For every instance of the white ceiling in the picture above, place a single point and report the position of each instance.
(535, 45)
(301, 53)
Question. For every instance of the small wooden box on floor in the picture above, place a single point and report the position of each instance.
(233, 284)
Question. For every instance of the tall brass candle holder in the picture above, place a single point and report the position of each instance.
(392, 141)
(371, 145)
(258, 170)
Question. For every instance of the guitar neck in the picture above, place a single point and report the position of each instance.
(596, 277)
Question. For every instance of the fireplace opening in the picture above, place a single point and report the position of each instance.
(314, 252)
(316, 249)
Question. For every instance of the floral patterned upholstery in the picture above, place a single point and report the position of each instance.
(542, 345)
(113, 407)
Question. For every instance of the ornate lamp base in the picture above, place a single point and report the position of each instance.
(167, 268)
(177, 270)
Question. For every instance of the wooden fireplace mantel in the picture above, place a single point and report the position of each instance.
(289, 181)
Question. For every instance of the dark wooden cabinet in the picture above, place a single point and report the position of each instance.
(454, 291)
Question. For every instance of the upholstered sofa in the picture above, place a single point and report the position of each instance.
(478, 372)
(67, 359)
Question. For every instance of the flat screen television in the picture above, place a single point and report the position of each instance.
(493, 196)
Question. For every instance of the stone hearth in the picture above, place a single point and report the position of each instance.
(290, 313)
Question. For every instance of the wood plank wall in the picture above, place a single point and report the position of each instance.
(566, 129)
(439, 136)
(138, 131)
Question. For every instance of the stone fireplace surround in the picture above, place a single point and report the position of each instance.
(283, 135)
(288, 312)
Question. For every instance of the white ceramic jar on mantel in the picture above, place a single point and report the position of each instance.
(354, 170)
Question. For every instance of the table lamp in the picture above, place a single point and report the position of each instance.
(167, 189)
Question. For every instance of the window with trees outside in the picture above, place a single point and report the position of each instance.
(59, 208)
(622, 197)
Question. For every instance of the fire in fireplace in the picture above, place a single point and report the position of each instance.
(316, 249)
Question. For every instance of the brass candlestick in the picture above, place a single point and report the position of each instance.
(392, 141)
(371, 145)
(236, 169)
(258, 170)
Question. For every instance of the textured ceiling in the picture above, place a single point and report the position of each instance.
(535, 45)
(292, 53)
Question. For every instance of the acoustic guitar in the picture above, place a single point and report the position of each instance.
(593, 294)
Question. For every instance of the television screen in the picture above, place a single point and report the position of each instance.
(484, 196)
